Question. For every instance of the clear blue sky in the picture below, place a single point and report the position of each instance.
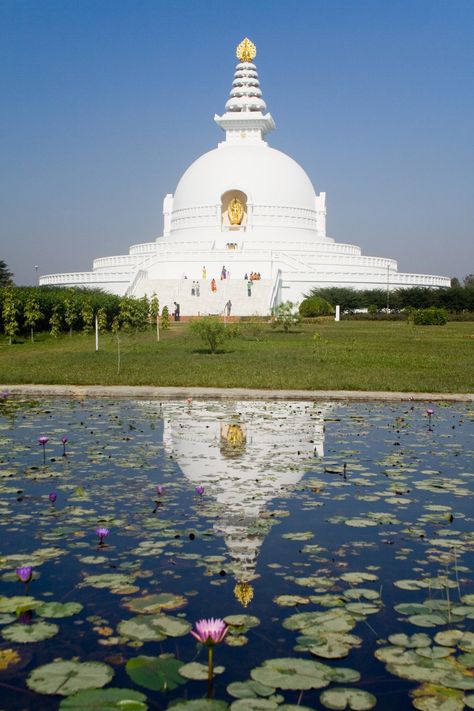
(104, 103)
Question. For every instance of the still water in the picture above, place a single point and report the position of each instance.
(334, 539)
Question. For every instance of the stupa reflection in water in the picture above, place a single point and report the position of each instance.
(244, 454)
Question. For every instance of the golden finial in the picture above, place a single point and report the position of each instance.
(246, 51)
(243, 593)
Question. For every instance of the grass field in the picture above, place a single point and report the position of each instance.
(350, 355)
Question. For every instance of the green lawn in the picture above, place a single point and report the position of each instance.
(350, 355)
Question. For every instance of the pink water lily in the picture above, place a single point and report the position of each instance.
(43, 440)
(160, 489)
(429, 412)
(210, 631)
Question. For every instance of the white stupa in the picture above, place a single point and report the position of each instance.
(242, 208)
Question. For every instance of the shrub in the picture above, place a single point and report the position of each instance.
(429, 317)
(286, 316)
(212, 331)
(315, 306)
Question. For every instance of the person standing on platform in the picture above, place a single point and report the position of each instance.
(204, 272)
(228, 307)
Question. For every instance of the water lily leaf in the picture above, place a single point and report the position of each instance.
(335, 645)
(200, 705)
(432, 620)
(151, 604)
(344, 675)
(18, 604)
(171, 626)
(249, 689)
(142, 628)
(254, 705)
(290, 600)
(105, 700)
(347, 698)
(66, 677)
(112, 581)
(35, 632)
(155, 673)
(245, 621)
(355, 578)
(292, 674)
(197, 671)
(434, 652)
(432, 697)
(59, 609)
(419, 639)
(236, 640)
(469, 701)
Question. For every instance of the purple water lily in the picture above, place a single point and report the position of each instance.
(101, 534)
(53, 496)
(200, 490)
(43, 441)
(24, 573)
(160, 490)
(64, 442)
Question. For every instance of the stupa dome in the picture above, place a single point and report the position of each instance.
(267, 176)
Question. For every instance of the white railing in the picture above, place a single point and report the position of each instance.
(116, 261)
(143, 248)
(82, 278)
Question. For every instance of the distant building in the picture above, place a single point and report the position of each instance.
(248, 212)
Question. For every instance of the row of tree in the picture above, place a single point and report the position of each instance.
(454, 299)
(31, 309)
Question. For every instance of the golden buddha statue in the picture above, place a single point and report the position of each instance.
(235, 211)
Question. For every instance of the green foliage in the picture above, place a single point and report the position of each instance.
(429, 317)
(286, 316)
(212, 332)
(70, 310)
(372, 309)
(155, 673)
(32, 313)
(5, 274)
(55, 321)
(10, 313)
(133, 313)
(315, 306)
(102, 319)
(154, 309)
(165, 318)
(87, 315)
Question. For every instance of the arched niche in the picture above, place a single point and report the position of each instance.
(234, 209)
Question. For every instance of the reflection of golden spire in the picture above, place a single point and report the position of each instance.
(243, 593)
(246, 51)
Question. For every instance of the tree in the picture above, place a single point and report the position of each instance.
(155, 314)
(55, 321)
(5, 274)
(286, 316)
(87, 315)
(165, 318)
(70, 310)
(212, 331)
(469, 281)
(455, 282)
(10, 313)
(32, 314)
(102, 319)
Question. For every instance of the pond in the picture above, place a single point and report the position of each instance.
(335, 540)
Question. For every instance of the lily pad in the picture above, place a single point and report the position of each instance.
(105, 700)
(151, 604)
(59, 609)
(66, 677)
(155, 673)
(142, 628)
(35, 632)
(246, 621)
(200, 705)
(347, 698)
(249, 689)
(293, 673)
(197, 671)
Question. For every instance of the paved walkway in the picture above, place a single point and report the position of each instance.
(161, 393)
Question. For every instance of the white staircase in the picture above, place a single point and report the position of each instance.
(236, 290)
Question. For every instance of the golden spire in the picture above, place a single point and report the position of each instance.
(243, 593)
(246, 51)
